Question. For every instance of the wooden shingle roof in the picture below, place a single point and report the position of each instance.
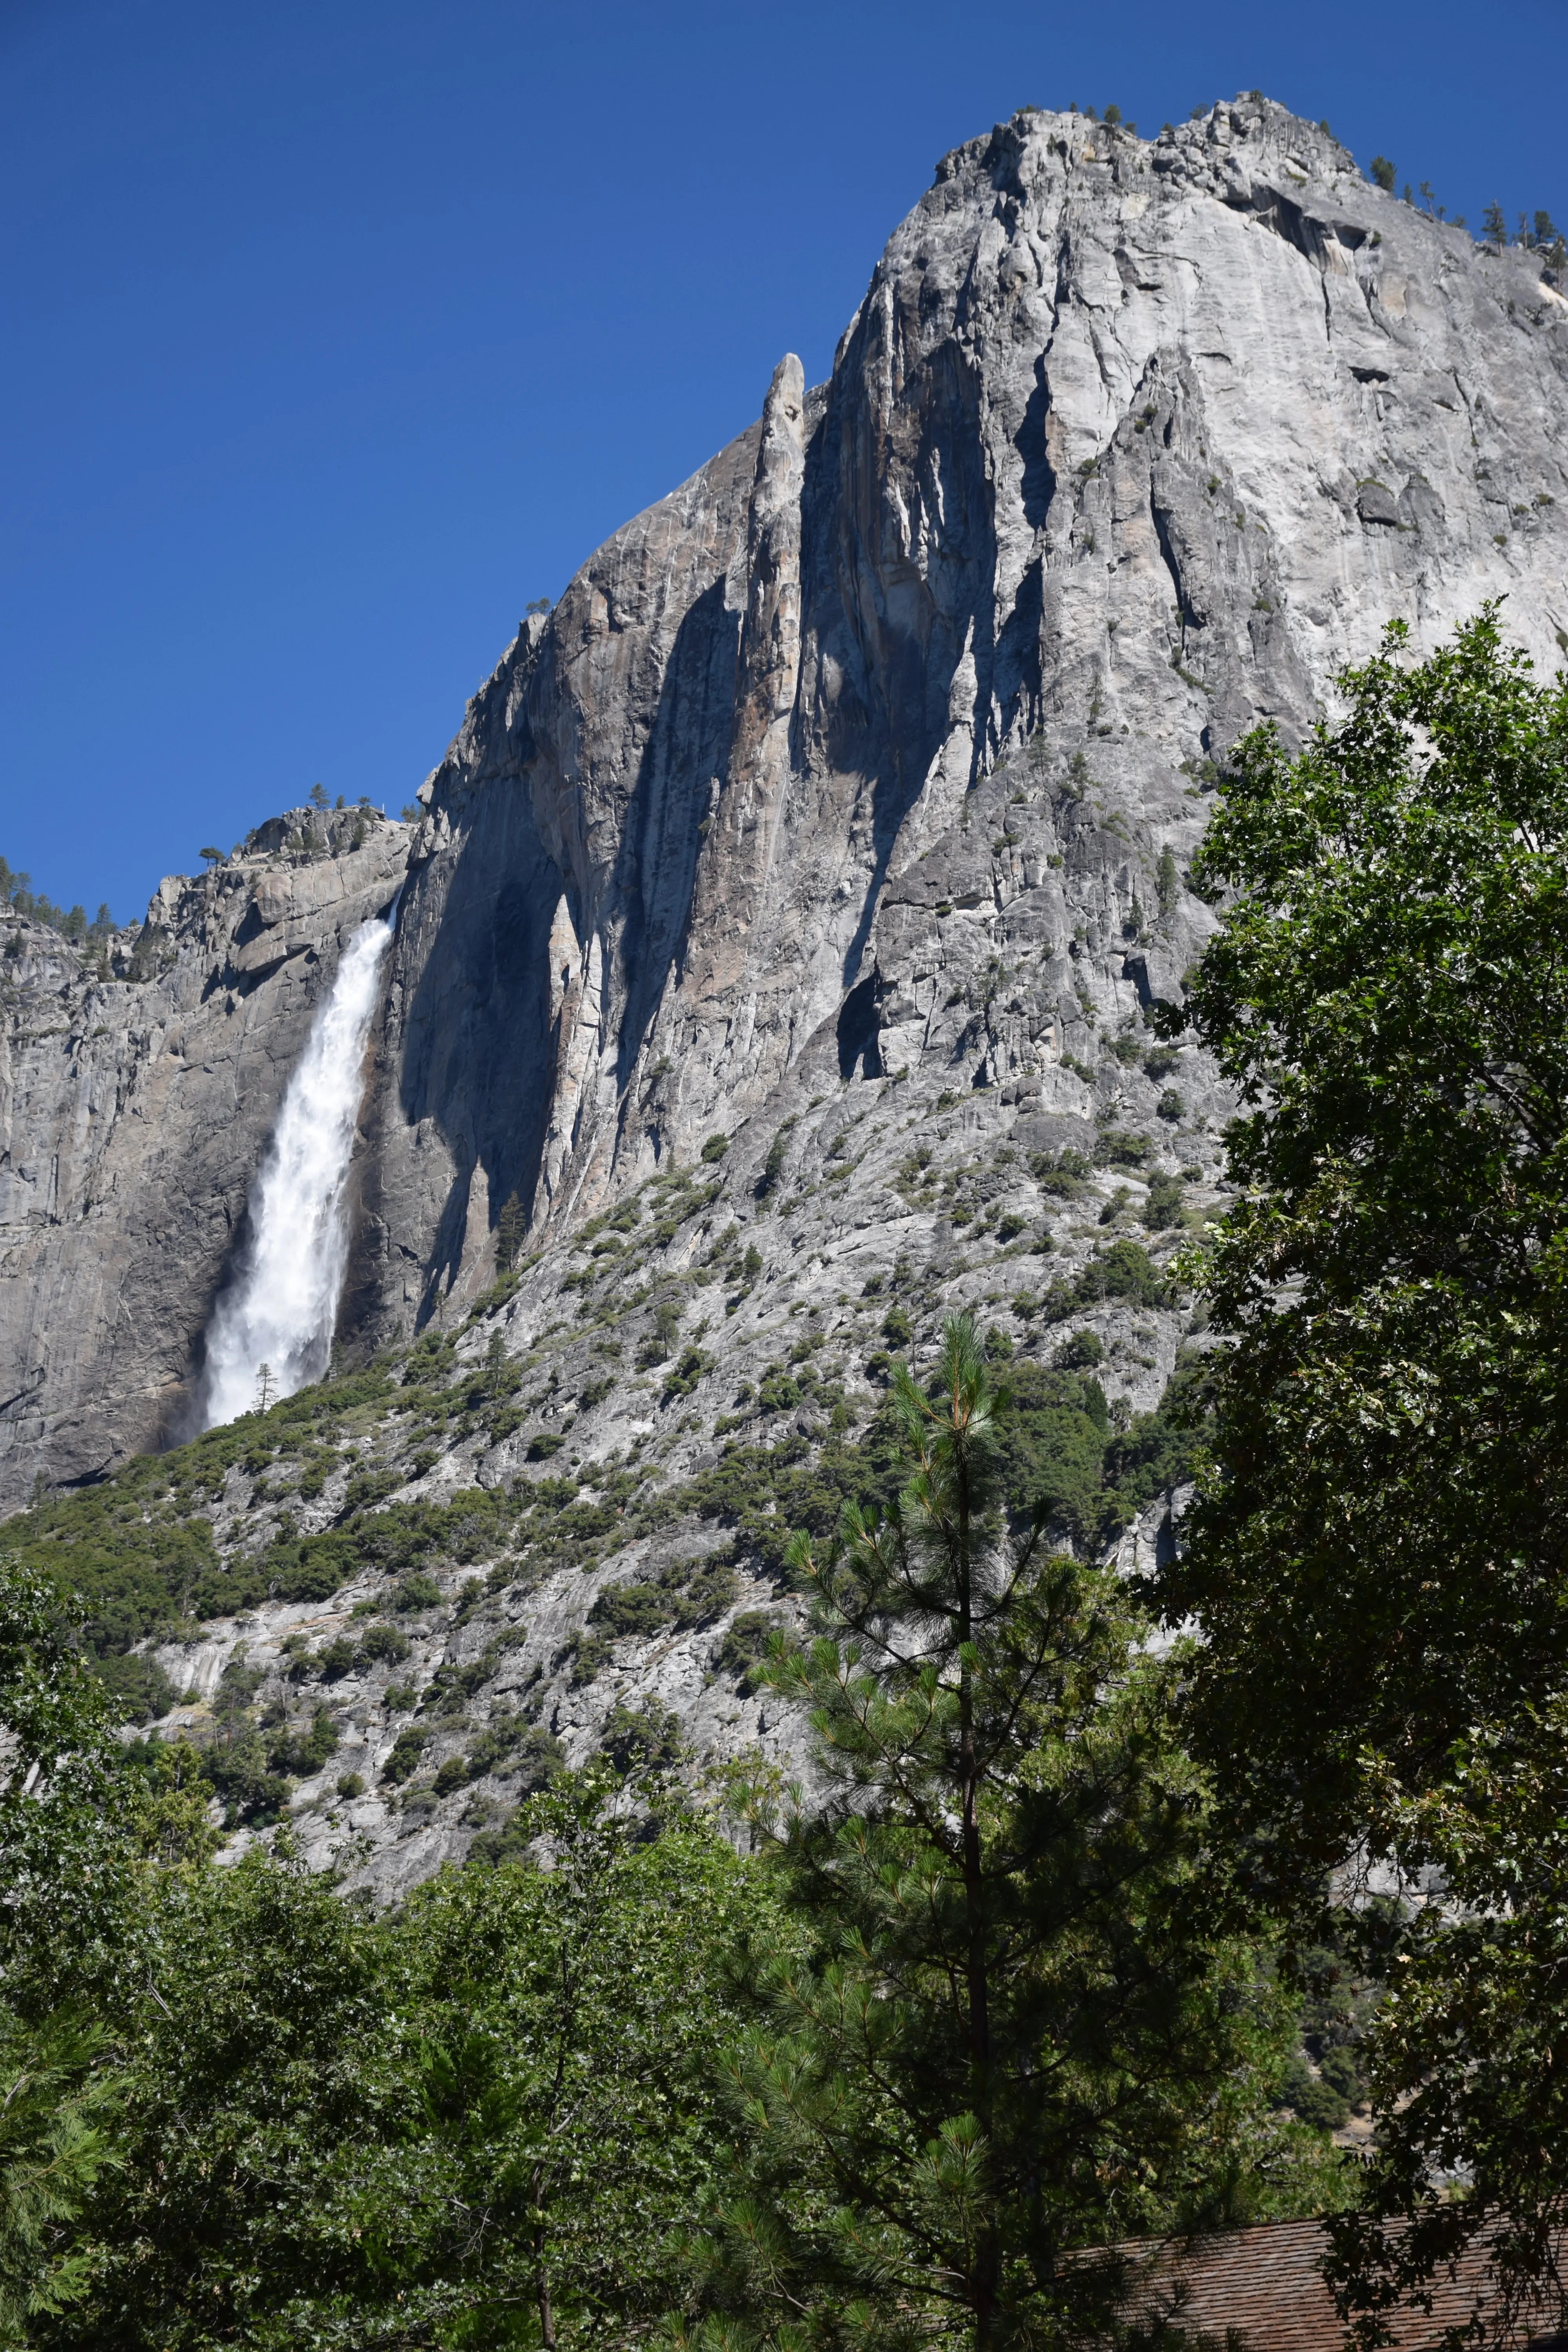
(1265, 2287)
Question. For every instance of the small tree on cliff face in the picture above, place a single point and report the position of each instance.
(511, 1227)
(1001, 2034)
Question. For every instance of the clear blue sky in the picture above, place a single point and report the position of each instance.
(335, 331)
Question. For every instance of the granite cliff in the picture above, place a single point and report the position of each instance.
(1128, 447)
(776, 936)
(138, 1086)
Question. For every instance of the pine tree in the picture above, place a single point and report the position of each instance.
(511, 1227)
(59, 2103)
(1382, 171)
(1494, 226)
(1002, 2034)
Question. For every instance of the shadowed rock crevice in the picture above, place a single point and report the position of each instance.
(857, 1030)
(472, 1042)
(671, 809)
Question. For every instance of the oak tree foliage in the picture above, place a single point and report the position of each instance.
(1378, 1559)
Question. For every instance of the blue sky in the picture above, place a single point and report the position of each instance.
(336, 331)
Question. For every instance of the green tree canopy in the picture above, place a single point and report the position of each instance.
(1377, 1562)
(482, 2118)
(65, 1871)
(65, 1850)
(1004, 2034)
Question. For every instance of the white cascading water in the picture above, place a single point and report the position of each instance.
(281, 1311)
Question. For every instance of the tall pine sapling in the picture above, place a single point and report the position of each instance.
(511, 1227)
(1004, 2034)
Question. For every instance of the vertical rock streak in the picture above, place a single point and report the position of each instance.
(283, 1310)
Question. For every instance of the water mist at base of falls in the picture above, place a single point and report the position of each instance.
(281, 1310)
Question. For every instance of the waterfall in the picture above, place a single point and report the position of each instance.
(281, 1310)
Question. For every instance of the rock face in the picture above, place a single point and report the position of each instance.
(138, 1086)
(1128, 447)
(785, 908)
